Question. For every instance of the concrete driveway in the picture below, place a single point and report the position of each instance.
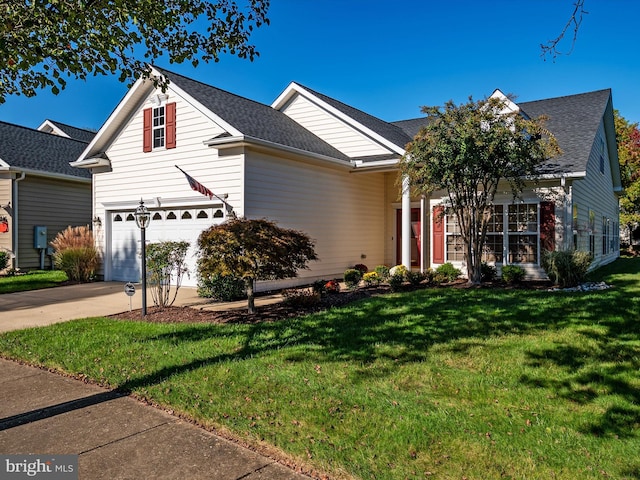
(37, 308)
(58, 304)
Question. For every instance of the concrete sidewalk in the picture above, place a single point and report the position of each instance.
(115, 436)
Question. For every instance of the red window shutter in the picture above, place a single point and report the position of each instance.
(146, 130)
(170, 112)
(438, 235)
(547, 226)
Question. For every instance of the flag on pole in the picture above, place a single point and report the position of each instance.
(196, 185)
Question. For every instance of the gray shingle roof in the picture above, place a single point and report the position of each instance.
(254, 119)
(574, 121)
(412, 126)
(389, 131)
(26, 148)
(82, 134)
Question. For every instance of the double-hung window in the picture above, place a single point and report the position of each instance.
(158, 127)
(523, 233)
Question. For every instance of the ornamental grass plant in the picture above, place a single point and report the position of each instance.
(75, 253)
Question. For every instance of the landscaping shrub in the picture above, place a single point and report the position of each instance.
(301, 297)
(415, 278)
(165, 265)
(488, 272)
(566, 268)
(352, 277)
(447, 273)
(396, 281)
(371, 278)
(75, 253)
(4, 260)
(224, 288)
(319, 287)
(361, 268)
(512, 274)
(382, 271)
(332, 286)
(398, 270)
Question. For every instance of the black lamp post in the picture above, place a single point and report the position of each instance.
(143, 218)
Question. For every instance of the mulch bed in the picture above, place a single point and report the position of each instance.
(283, 310)
(264, 313)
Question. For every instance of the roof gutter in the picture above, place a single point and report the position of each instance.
(92, 162)
(38, 173)
(223, 143)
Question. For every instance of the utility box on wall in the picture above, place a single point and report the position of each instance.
(40, 237)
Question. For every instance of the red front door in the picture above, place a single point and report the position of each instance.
(416, 243)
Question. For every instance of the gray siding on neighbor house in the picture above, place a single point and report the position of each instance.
(55, 204)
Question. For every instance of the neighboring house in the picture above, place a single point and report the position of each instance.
(38, 188)
(315, 164)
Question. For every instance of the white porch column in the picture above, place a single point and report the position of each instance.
(406, 223)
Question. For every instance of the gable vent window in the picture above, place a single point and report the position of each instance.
(159, 127)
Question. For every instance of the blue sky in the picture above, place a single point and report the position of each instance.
(390, 58)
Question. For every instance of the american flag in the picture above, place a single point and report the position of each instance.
(196, 185)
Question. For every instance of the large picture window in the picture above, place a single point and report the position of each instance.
(520, 239)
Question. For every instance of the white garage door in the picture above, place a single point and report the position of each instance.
(166, 225)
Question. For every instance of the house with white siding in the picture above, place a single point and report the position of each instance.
(310, 162)
(38, 188)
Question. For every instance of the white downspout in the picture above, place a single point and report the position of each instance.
(406, 223)
(14, 202)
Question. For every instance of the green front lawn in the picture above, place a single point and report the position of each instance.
(32, 281)
(440, 383)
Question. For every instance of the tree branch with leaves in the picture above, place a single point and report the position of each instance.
(42, 44)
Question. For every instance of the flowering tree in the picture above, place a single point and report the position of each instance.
(466, 150)
(628, 139)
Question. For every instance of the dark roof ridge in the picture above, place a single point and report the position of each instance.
(207, 85)
(40, 132)
(560, 97)
(55, 122)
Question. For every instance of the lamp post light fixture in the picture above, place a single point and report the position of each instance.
(143, 218)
